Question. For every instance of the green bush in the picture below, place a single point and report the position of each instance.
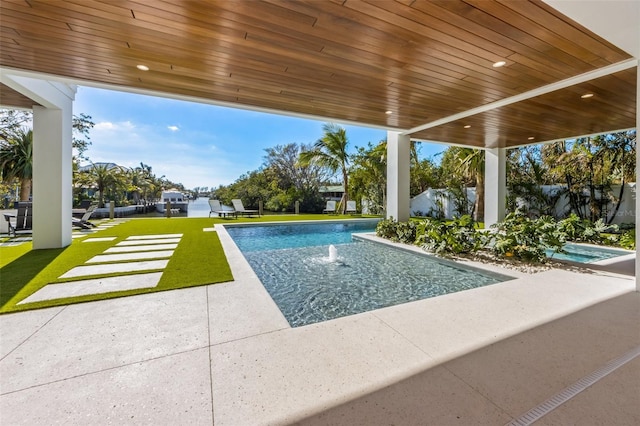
(628, 240)
(455, 236)
(527, 239)
(406, 232)
(386, 228)
(400, 232)
(582, 230)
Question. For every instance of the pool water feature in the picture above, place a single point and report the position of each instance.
(581, 253)
(309, 286)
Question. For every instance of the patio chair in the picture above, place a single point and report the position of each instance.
(23, 219)
(216, 207)
(83, 222)
(331, 207)
(239, 208)
(351, 207)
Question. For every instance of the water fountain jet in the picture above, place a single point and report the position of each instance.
(333, 254)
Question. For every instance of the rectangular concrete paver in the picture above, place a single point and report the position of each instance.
(90, 337)
(433, 397)
(457, 323)
(94, 286)
(171, 390)
(316, 367)
(16, 329)
(154, 241)
(98, 239)
(130, 249)
(153, 237)
(614, 400)
(156, 254)
(83, 271)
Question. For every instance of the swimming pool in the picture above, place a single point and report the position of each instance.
(581, 253)
(294, 265)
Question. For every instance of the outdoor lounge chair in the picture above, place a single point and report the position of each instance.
(22, 219)
(239, 207)
(216, 207)
(83, 222)
(351, 207)
(331, 207)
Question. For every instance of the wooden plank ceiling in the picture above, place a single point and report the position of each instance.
(343, 60)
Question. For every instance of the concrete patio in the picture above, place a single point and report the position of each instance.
(224, 354)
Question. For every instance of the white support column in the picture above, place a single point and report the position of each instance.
(52, 155)
(398, 176)
(495, 185)
(52, 186)
(637, 177)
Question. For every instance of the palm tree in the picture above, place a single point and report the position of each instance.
(330, 151)
(472, 162)
(367, 176)
(16, 160)
(105, 178)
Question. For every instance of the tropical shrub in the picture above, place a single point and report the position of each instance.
(456, 236)
(583, 230)
(386, 228)
(628, 240)
(406, 232)
(400, 232)
(527, 239)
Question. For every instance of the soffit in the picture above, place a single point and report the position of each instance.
(543, 118)
(341, 60)
(11, 98)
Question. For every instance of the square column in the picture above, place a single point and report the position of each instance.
(52, 180)
(495, 184)
(637, 176)
(398, 167)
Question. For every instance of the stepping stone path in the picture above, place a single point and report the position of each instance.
(137, 253)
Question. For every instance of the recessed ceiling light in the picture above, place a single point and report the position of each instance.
(467, 126)
(531, 138)
(388, 112)
(499, 64)
(587, 95)
(142, 67)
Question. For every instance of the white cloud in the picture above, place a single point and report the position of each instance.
(108, 125)
(173, 128)
(104, 125)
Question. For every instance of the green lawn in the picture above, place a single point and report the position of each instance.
(198, 259)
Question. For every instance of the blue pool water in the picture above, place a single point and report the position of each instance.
(585, 254)
(292, 261)
(257, 238)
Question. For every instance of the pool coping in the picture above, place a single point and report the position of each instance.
(299, 222)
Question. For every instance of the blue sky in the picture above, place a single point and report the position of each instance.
(196, 144)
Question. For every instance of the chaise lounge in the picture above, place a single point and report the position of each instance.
(216, 207)
(239, 207)
(351, 207)
(83, 222)
(330, 208)
(23, 219)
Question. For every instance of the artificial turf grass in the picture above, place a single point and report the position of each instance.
(198, 260)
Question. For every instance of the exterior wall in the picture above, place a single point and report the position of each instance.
(432, 201)
(426, 202)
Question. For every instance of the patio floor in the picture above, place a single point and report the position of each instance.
(224, 354)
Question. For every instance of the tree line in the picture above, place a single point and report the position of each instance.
(97, 182)
(586, 169)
